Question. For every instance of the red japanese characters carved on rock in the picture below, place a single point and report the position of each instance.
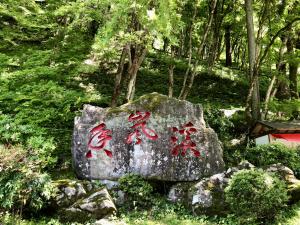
(181, 140)
(139, 120)
(99, 137)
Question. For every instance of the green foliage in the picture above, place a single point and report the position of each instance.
(219, 122)
(137, 190)
(33, 138)
(264, 155)
(23, 185)
(256, 195)
(233, 154)
(291, 108)
(57, 55)
(12, 219)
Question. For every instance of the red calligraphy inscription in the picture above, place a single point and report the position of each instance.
(139, 120)
(99, 137)
(181, 144)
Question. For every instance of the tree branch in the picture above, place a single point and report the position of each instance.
(274, 38)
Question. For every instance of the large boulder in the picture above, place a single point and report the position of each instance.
(82, 200)
(153, 157)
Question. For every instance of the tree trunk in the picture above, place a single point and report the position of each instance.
(118, 79)
(293, 68)
(228, 46)
(190, 51)
(136, 63)
(283, 87)
(171, 75)
(186, 89)
(253, 101)
(221, 47)
(270, 92)
(216, 42)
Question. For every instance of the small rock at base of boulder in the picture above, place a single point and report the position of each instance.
(288, 176)
(82, 200)
(179, 192)
(208, 197)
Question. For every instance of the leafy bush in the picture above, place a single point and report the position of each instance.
(289, 108)
(138, 191)
(264, 155)
(254, 194)
(216, 120)
(23, 185)
(13, 219)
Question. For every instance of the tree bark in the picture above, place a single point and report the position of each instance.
(228, 46)
(271, 91)
(190, 51)
(293, 68)
(253, 101)
(133, 69)
(118, 78)
(287, 26)
(171, 76)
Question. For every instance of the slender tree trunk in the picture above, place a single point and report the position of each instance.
(268, 96)
(253, 101)
(171, 75)
(166, 44)
(118, 78)
(136, 63)
(283, 87)
(131, 83)
(270, 92)
(228, 46)
(186, 89)
(220, 48)
(190, 51)
(217, 37)
(293, 68)
(283, 91)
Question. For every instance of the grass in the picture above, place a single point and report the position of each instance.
(291, 216)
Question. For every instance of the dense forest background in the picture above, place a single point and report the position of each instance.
(57, 55)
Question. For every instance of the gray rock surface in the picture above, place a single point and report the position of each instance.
(288, 176)
(151, 158)
(207, 196)
(82, 200)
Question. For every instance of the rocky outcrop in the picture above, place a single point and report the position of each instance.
(288, 176)
(208, 197)
(82, 200)
(157, 137)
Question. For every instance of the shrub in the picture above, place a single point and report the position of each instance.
(137, 191)
(254, 194)
(264, 155)
(33, 138)
(13, 219)
(219, 122)
(23, 185)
